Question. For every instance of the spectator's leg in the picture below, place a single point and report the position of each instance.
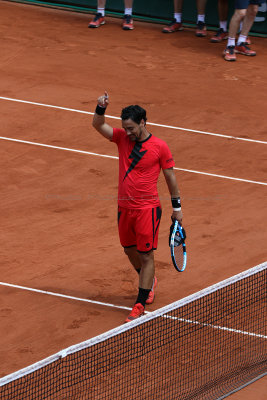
(248, 21)
(176, 23)
(221, 34)
(201, 27)
(127, 24)
(237, 17)
(101, 4)
(242, 45)
(128, 7)
(223, 13)
(178, 10)
(201, 6)
(99, 17)
(229, 52)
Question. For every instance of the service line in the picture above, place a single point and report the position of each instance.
(148, 123)
(116, 158)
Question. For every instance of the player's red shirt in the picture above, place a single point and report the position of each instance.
(139, 167)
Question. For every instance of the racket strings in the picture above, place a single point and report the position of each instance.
(179, 253)
(177, 240)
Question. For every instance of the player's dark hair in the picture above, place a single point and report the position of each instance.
(135, 113)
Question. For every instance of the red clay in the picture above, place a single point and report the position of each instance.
(56, 205)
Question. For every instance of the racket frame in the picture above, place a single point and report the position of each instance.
(177, 227)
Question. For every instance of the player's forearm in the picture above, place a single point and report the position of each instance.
(175, 200)
(175, 194)
(98, 121)
(172, 184)
(102, 127)
(174, 189)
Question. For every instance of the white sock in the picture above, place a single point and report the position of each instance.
(178, 17)
(128, 11)
(231, 42)
(101, 11)
(241, 39)
(223, 25)
(201, 18)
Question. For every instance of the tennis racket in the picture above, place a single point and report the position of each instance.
(177, 245)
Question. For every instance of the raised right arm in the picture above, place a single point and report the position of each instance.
(99, 117)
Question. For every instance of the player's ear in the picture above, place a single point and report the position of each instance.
(143, 122)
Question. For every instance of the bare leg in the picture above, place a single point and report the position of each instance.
(147, 270)
(146, 277)
(248, 16)
(237, 17)
(223, 10)
(101, 3)
(127, 3)
(178, 6)
(242, 42)
(201, 6)
(143, 262)
(249, 19)
(133, 256)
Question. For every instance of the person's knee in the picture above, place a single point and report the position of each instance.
(252, 10)
(239, 15)
(146, 257)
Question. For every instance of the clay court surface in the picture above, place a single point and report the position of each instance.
(58, 208)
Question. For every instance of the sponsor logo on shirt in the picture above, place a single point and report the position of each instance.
(136, 155)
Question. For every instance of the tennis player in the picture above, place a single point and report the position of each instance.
(141, 158)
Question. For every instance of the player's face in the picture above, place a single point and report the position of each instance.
(133, 130)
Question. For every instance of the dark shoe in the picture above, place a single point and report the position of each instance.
(127, 24)
(201, 30)
(97, 21)
(229, 53)
(219, 36)
(173, 26)
(243, 48)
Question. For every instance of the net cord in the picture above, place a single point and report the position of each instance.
(123, 328)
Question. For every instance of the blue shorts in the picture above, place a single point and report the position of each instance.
(243, 4)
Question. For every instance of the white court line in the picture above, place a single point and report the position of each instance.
(222, 328)
(221, 176)
(64, 296)
(148, 123)
(116, 158)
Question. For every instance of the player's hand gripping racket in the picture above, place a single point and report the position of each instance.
(177, 245)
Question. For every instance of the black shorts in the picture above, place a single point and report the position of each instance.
(243, 4)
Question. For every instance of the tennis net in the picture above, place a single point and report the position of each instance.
(205, 346)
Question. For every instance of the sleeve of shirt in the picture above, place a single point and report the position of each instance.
(166, 159)
(117, 135)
